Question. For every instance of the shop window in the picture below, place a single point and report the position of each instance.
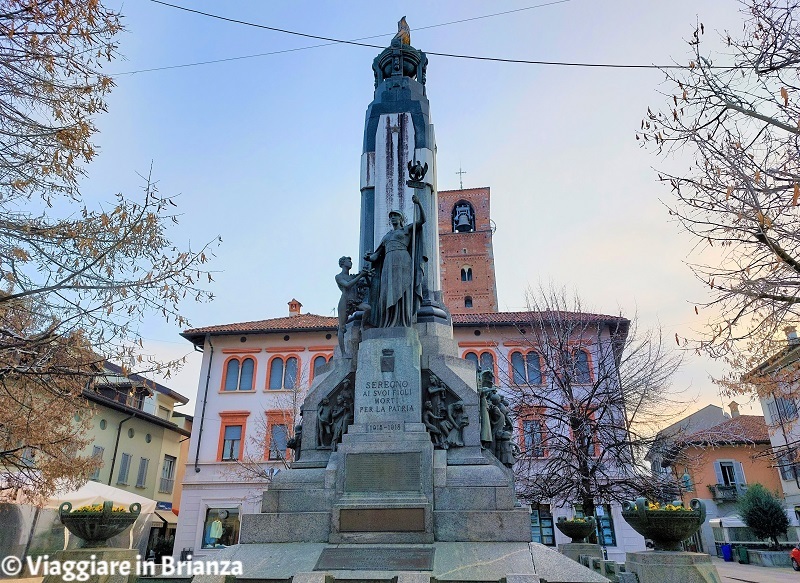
(542, 525)
(473, 358)
(221, 528)
(605, 533)
(239, 374)
(466, 274)
(283, 373)
(526, 368)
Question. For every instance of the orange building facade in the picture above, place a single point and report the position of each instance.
(717, 464)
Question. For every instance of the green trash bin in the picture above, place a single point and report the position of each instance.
(741, 552)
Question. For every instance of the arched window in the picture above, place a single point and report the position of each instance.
(463, 217)
(473, 358)
(526, 369)
(468, 302)
(239, 374)
(318, 362)
(487, 361)
(290, 376)
(232, 375)
(283, 373)
(276, 374)
(466, 274)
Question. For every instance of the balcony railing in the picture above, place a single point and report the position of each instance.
(723, 493)
(165, 487)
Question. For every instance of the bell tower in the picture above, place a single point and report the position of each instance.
(467, 258)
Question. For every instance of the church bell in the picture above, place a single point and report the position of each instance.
(463, 223)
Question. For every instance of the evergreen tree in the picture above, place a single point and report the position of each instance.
(763, 513)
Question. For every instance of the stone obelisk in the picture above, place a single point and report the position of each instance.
(393, 475)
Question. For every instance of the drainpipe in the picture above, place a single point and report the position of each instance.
(205, 400)
(116, 446)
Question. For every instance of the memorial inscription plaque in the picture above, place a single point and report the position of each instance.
(376, 559)
(382, 520)
(382, 472)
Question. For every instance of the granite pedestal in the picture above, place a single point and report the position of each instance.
(401, 563)
(671, 567)
(96, 556)
(575, 550)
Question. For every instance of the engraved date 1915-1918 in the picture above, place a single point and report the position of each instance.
(384, 427)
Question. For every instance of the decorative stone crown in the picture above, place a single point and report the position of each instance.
(400, 60)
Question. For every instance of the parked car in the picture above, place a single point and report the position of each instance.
(794, 555)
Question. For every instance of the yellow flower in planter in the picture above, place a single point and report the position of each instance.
(99, 508)
(669, 507)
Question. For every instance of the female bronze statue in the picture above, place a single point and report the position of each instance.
(400, 292)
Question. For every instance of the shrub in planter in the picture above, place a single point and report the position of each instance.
(763, 513)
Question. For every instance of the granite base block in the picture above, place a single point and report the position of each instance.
(313, 577)
(485, 475)
(453, 498)
(480, 525)
(575, 550)
(454, 562)
(312, 500)
(769, 558)
(554, 567)
(311, 527)
(106, 555)
(671, 567)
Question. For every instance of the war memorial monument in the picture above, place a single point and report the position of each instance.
(402, 470)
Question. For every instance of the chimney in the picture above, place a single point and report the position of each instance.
(734, 407)
(791, 334)
(294, 307)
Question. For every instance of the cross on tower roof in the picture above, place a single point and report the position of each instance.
(461, 177)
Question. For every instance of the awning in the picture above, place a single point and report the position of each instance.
(167, 517)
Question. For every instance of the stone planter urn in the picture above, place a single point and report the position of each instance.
(94, 525)
(576, 529)
(665, 526)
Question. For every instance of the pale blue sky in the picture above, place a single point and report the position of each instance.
(265, 151)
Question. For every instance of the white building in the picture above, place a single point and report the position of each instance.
(254, 376)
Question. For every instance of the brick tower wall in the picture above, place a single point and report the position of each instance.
(472, 249)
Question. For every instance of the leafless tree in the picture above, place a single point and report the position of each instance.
(590, 414)
(76, 279)
(260, 454)
(735, 114)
